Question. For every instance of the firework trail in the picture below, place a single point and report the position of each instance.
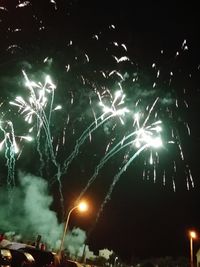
(173, 105)
(140, 134)
(108, 113)
(149, 140)
(11, 149)
(37, 106)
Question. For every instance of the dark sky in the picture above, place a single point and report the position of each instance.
(143, 218)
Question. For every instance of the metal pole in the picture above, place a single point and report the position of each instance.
(65, 230)
(191, 252)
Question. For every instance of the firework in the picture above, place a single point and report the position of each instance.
(108, 113)
(142, 136)
(149, 141)
(37, 112)
(11, 149)
(9, 145)
(99, 74)
(37, 107)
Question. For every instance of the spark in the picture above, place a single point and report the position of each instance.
(27, 137)
(25, 3)
(54, 3)
(3, 8)
(121, 59)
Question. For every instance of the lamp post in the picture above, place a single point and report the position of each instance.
(192, 235)
(82, 206)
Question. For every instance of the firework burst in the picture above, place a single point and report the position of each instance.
(92, 68)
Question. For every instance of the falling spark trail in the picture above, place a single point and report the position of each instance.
(110, 154)
(139, 137)
(11, 150)
(116, 179)
(36, 106)
(100, 166)
(96, 124)
(141, 133)
(151, 109)
(149, 142)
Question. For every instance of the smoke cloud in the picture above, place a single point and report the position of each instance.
(27, 214)
(75, 242)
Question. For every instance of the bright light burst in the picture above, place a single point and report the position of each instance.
(141, 138)
(149, 141)
(37, 107)
(114, 110)
(37, 112)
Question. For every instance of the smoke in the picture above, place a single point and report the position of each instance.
(28, 214)
(36, 204)
(75, 242)
(168, 100)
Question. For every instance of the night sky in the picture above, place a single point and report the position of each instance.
(76, 42)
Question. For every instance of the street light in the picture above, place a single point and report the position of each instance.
(82, 206)
(192, 235)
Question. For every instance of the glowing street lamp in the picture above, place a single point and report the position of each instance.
(192, 235)
(82, 206)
